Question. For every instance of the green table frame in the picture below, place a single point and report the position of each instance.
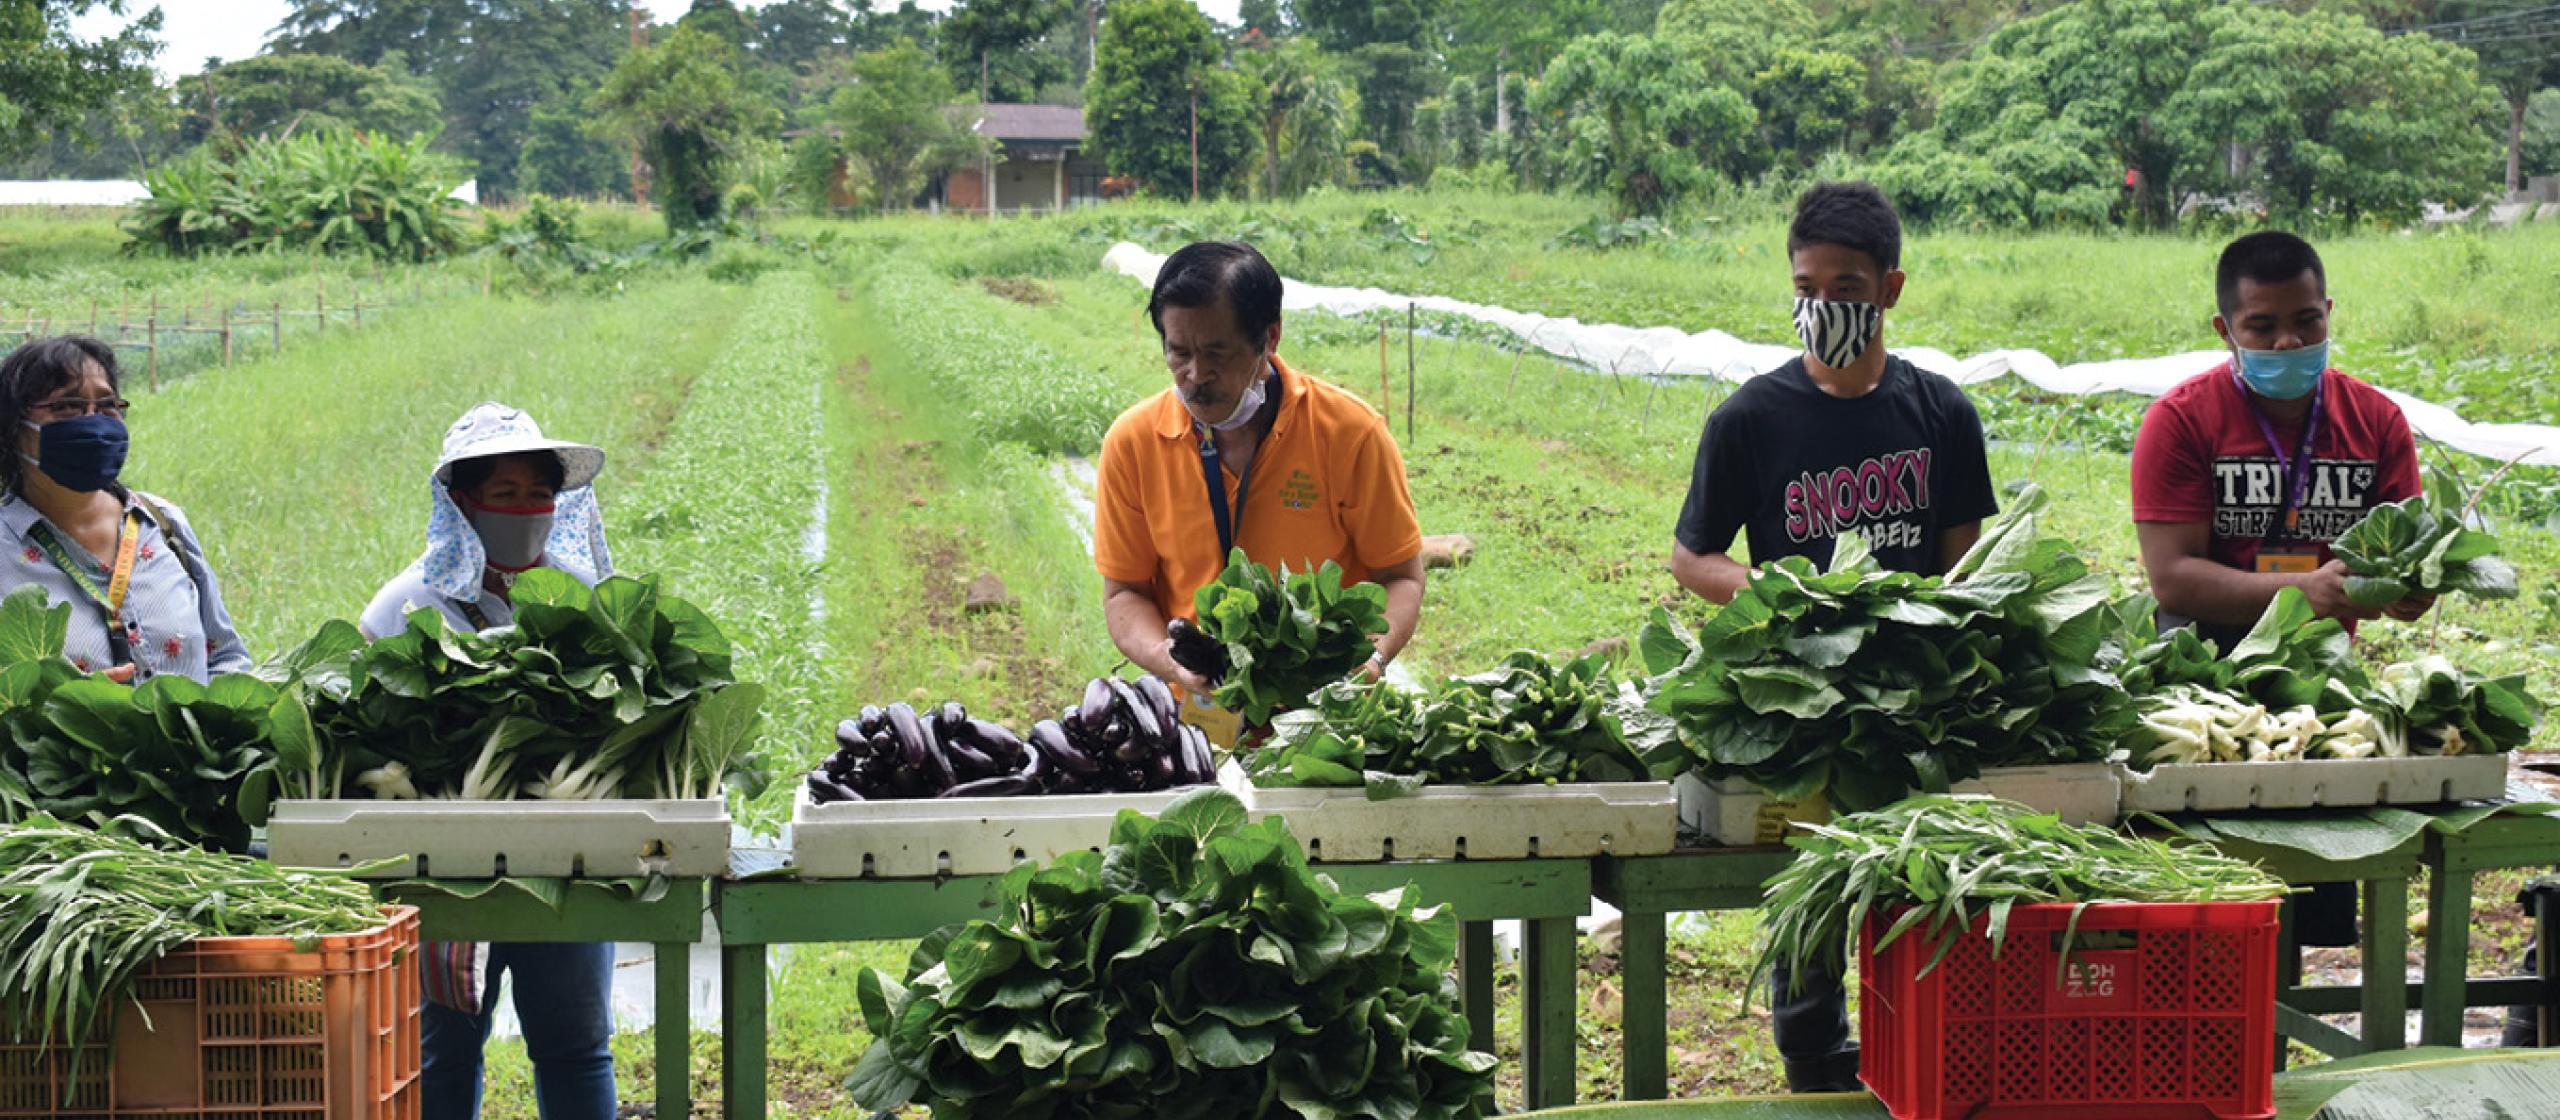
(2495, 843)
(1546, 895)
(1646, 889)
(591, 913)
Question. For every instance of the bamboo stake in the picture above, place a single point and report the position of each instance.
(226, 337)
(278, 324)
(1409, 315)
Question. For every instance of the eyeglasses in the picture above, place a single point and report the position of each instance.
(73, 407)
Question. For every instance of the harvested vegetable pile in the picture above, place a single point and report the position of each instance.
(2411, 547)
(1531, 721)
(1872, 684)
(1125, 737)
(88, 909)
(619, 691)
(1278, 638)
(191, 759)
(1949, 859)
(1196, 968)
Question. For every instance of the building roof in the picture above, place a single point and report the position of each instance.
(1050, 123)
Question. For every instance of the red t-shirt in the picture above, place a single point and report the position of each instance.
(2201, 456)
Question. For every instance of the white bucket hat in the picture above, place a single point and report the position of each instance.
(491, 429)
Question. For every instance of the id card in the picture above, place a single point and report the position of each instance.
(2288, 561)
(1222, 726)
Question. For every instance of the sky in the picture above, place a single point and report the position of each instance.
(194, 30)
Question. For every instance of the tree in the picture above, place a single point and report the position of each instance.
(720, 18)
(999, 35)
(1807, 100)
(2333, 117)
(792, 35)
(1486, 37)
(1304, 107)
(563, 157)
(1269, 17)
(1782, 21)
(273, 94)
(1641, 120)
(50, 78)
(1154, 57)
(2542, 134)
(1347, 25)
(898, 124)
(681, 100)
(2513, 40)
(492, 61)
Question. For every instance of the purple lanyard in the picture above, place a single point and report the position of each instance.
(2296, 471)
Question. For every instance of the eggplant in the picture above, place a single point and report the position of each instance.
(1160, 698)
(999, 742)
(912, 746)
(1050, 739)
(849, 734)
(1035, 766)
(872, 719)
(1135, 709)
(1003, 785)
(1097, 704)
(949, 716)
(1203, 761)
(968, 763)
(1195, 650)
(1134, 752)
(1161, 770)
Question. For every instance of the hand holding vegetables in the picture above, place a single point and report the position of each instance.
(2410, 548)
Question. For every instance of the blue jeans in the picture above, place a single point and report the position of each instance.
(563, 997)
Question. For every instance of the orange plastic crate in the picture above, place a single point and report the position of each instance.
(2168, 1011)
(247, 1028)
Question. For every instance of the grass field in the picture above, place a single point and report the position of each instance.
(828, 455)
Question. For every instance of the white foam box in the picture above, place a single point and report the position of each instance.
(1737, 813)
(1564, 821)
(920, 839)
(685, 839)
(2314, 783)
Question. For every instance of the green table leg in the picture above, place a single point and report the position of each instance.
(1475, 982)
(1548, 1047)
(674, 1032)
(1644, 1006)
(2386, 964)
(742, 1032)
(2448, 954)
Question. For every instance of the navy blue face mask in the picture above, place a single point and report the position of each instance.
(84, 453)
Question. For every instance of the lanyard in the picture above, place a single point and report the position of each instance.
(2295, 472)
(1230, 522)
(119, 580)
(471, 610)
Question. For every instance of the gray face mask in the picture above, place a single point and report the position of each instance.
(513, 538)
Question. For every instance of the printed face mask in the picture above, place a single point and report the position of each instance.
(84, 453)
(512, 538)
(2283, 375)
(1837, 332)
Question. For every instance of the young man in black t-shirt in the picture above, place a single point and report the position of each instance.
(1844, 438)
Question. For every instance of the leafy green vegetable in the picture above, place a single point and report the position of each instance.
(1196, 968)
(88, 909)
(1933, 863)
(617, 691)
(2411, 547)
(191, 759)
(1872, 684)
(1287, 635)
(1526, 722)
(2436, 707)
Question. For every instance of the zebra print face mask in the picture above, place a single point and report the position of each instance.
(1837, 332)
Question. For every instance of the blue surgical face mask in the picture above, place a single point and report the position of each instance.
(84, 453)
(2283, 375)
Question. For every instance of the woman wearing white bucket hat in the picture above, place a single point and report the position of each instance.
(504, 499)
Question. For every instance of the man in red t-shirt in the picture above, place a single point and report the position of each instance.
(2241, 479)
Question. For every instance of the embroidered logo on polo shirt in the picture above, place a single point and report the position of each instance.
(1300, 491)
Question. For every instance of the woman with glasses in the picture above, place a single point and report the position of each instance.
(143, 601)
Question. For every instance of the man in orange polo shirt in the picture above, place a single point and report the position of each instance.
(1304, 472)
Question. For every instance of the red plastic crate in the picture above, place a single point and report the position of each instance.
(247, 1028)
(2168, 1012)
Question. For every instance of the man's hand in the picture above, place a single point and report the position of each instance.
(1171, 672)
(2411, 608)
(2327, 590)
(1370, 671)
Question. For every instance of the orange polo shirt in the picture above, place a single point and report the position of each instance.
(1328, 484)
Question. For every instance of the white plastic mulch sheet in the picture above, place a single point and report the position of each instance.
(1669, 350)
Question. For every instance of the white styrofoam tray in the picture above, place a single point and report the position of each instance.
(490, 839)
(1565, 821)
(1736, 813)
(919, 839)
(2315, 783)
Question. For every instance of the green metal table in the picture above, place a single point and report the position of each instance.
(588, 912)
(1647, 889)
(2451, 859)
(1546, 895)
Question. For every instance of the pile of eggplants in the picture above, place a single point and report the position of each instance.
(1123, 737)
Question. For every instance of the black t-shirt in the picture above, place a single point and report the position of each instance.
(1796, 467)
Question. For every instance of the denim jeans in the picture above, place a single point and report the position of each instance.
(563, 997)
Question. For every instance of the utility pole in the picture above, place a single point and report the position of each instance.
(639, 165)
(987, 162)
